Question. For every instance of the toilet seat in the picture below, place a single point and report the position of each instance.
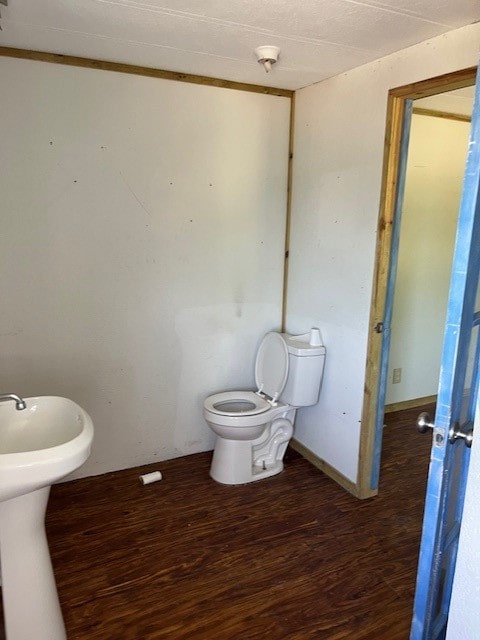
(271, 371)
(271, 366)
(237, 403)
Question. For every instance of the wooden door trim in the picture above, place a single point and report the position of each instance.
(397, 98)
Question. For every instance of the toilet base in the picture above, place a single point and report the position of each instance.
(244, 461)
(259, 473)
(232, 463)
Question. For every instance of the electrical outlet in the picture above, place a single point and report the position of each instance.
(397, 376)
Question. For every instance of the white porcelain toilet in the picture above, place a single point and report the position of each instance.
(253, 428)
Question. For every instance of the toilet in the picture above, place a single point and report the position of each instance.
(253, 428)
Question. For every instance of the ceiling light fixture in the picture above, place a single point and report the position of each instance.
(267, 56)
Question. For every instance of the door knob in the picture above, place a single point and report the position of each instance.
(424, 422)
(456, 433)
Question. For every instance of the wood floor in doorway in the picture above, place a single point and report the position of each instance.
(292, 557)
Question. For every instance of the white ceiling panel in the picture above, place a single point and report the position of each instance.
(217, 38)
(442, 12)
(459, 101)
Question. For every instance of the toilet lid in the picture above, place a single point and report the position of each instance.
(236, 403)
(271, 365)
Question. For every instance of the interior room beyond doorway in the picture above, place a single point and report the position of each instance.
(436, 160)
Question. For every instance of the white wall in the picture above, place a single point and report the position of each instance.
(141, 248)
(339, 142)
(435, 168)
(464, 621)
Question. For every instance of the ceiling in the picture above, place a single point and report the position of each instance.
(318, 38)
(459, 101)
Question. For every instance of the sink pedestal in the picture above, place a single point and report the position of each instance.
(39, 445)
(30, 600)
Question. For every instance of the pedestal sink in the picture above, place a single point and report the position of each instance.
(39, 445)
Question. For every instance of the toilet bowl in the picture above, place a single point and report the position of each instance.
(253, 428)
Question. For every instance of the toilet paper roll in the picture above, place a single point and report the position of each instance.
(148, 478)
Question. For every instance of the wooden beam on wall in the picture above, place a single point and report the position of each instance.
(120, 67)
(434, 113)
(289, 213)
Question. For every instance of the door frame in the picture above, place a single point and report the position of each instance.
(370, 446)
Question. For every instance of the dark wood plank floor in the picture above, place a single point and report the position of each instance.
(291, 557)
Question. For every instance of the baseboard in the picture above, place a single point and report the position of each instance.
(410, 404)
(327, 469)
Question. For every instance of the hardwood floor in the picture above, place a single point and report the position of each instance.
(291, 557)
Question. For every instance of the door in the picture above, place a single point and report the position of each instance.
(453, 424)
(390, 293)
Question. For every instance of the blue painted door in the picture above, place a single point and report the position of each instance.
(458, 388)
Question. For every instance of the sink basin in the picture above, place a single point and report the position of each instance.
(41, 444)
(38, 446)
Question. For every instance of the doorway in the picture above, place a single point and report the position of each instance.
(437, 152)
(399, 111)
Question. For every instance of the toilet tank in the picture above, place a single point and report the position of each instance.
(306, 359)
